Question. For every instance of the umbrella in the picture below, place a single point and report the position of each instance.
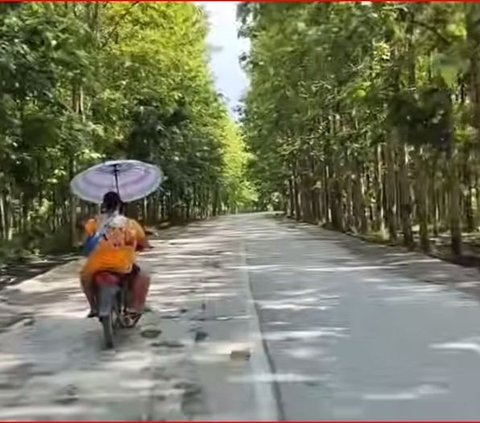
(132, 179)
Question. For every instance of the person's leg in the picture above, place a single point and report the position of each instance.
(139, 290)
(89, 291)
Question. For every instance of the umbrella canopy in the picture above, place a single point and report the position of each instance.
(132, 179)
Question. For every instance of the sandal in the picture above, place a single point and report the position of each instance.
(92, 313)
(132, 314)
(133, 317)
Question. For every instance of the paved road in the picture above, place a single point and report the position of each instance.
(252, 318)
(353, 336)
(187, 360)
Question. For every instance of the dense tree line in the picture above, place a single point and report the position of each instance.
(83, 82)
(366, 116)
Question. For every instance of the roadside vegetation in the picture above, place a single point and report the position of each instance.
(83, 82)
(365, 117)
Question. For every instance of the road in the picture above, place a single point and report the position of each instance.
(252, 318)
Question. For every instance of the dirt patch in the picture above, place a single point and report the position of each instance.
(167, 344)
(192, 398)
(151, 333)
(21, 269)
(14, 273)
(67, 396)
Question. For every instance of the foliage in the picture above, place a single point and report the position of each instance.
(366, 115)
(85, 82)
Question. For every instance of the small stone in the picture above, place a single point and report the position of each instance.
(200, 336)
(240, 355)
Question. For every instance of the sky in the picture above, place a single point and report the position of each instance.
(230, 79)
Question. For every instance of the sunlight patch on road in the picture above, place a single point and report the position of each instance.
(472, 345)
(277, 377)
(318, 302)
(305, 353)
(7, 361)
(305, 334)
(335, 269)
(45, 411)
(410, 394)
(276, 305)
(299, 292)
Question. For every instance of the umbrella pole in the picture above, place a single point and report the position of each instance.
(115, 172)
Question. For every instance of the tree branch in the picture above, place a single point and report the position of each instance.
(433, 30)
(117, 23)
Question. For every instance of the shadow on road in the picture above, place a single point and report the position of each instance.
(395, 259)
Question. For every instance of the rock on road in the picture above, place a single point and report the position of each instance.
(252, 318)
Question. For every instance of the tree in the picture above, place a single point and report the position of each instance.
(366, 115)
(86, 82)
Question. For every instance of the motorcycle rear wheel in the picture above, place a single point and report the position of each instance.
(107, 325)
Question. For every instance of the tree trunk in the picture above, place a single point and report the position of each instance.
(291, 198)
(472, 17)
(326, 193)
(405, 197)
(434, 197)
(349, 203)
(336, 199)
(468, 197)
(390, 191)
(421, 200)
(455, 209)
(378, 219)
(77, 106)
(314, 193)
(361, 222)
(296, 198)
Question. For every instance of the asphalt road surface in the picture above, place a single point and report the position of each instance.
(252, 318)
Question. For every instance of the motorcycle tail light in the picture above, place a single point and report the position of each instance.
(106, 278)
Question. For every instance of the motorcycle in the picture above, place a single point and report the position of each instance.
(112, 294)
(112, 291)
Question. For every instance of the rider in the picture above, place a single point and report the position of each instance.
(116, 252)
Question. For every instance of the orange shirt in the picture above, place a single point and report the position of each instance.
(115, 251)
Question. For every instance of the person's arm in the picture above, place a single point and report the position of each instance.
(90, 227)
(144, 245)
(142, 242)
(131, 239)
